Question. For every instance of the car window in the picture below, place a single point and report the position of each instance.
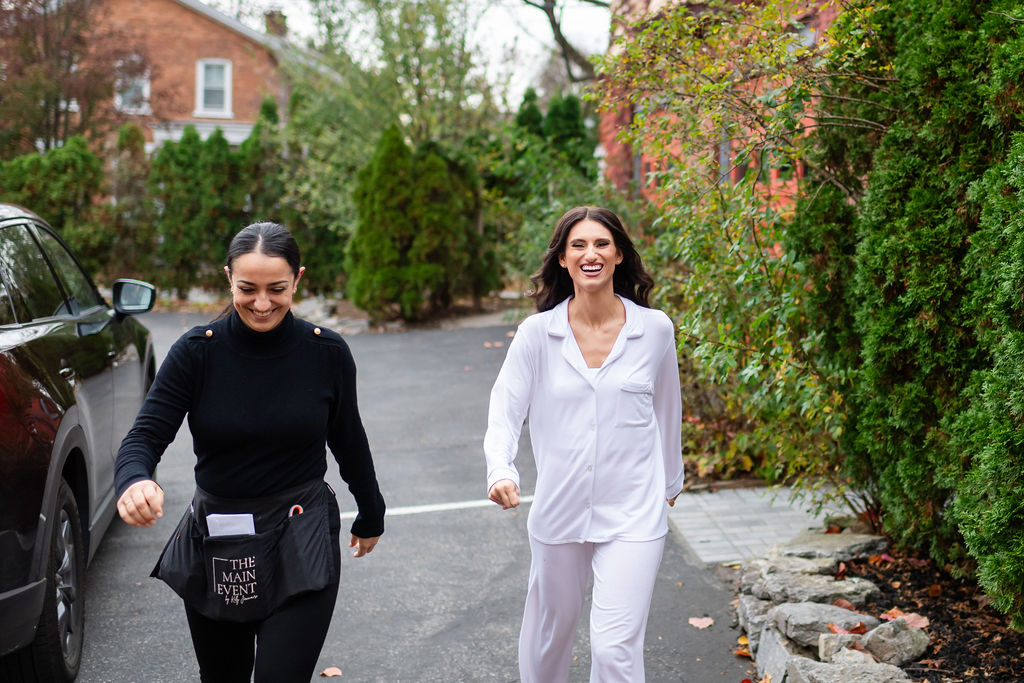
(77, 286)
(33, 291)
(6, 307)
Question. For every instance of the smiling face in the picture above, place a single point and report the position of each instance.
(262, 288)
(590, 256)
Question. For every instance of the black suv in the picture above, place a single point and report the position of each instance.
(73, 373)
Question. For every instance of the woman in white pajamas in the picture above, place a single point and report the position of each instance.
(595, 370)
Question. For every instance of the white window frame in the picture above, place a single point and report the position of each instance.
(143, 109)
(201, 110)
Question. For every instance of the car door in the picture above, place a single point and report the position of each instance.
(90, 353)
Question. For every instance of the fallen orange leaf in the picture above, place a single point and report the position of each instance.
(860, 629)
(916, 621)
(913, 619)
(743, 640)
(894, 613)
(845, 604)
(701, 622)
(742, 652)
(331, 672)
(834, 529)
(836, 628)
(934, 590)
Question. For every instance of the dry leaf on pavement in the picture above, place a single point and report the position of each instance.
(330, 672)
(701, 622)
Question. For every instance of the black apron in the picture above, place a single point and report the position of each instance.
(245, 577)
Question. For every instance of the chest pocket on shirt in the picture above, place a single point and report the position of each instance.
(636, 404)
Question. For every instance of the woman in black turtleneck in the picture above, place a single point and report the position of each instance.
(264, 393)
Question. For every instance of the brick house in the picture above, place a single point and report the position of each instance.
(624, 167)
(205, 68)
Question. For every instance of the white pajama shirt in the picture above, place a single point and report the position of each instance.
(607, 443)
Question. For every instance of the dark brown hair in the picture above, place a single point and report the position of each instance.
(552, 284)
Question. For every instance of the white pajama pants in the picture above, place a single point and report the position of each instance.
(623, 573)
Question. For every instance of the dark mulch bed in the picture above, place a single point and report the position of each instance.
(971, 641)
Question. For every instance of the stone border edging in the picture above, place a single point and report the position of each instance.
(786, 606)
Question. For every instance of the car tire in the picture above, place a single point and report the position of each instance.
(56, 652)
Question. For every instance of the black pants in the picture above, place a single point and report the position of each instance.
(284, 647)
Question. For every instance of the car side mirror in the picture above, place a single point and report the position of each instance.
(133, 296)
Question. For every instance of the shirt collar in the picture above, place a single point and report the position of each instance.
(558, 320)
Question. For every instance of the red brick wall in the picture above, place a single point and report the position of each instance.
(619, 168)
(174, 37)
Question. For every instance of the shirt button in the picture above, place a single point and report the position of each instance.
(590, 468)
(588, 506)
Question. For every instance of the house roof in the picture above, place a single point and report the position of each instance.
(271, 42)
(279, 46)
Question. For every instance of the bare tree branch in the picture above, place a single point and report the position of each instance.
(570, 54)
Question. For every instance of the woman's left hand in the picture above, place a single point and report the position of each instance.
(672, 501)
(363, 546)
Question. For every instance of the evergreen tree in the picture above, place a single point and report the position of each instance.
(377, 253)
(131, 212)
(63, 186)
(221, 201)
(529, 116)
(418, 241)
(567, 133)
(176, 186)
(260, 166)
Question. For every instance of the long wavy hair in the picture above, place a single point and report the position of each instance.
(268, 238)
(552, 284)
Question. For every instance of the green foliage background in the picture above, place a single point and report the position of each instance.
(859, 326)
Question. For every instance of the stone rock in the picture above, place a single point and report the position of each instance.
(773, 652)
(803, 670)
(805, 622)
(750, 573)
(787, 587)
(751, 614)
(831, 643)
(755, 570)
(842, 547)
(778, 561)
(896, 642)
(848, 656)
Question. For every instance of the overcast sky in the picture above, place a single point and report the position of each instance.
(504, 23)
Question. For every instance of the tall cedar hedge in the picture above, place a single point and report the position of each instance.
(418, 242)
(916, 277)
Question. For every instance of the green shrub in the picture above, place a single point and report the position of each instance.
(417, 244)
(176, 186)
(63, 186)
(130, 213)
(988, 434)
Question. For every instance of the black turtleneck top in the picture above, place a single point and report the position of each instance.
(261, 406)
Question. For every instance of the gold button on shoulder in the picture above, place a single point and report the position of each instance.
(209, 333)
(316, 330)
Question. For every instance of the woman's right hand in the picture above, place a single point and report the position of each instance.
(142, 503)
(505, 493)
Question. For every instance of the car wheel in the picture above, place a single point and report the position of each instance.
(57, 648)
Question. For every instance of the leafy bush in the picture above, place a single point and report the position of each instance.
(989, 503)
(130, 213)
(417, 244)
(62, 186)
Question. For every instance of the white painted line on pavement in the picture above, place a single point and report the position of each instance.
(436, 507)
